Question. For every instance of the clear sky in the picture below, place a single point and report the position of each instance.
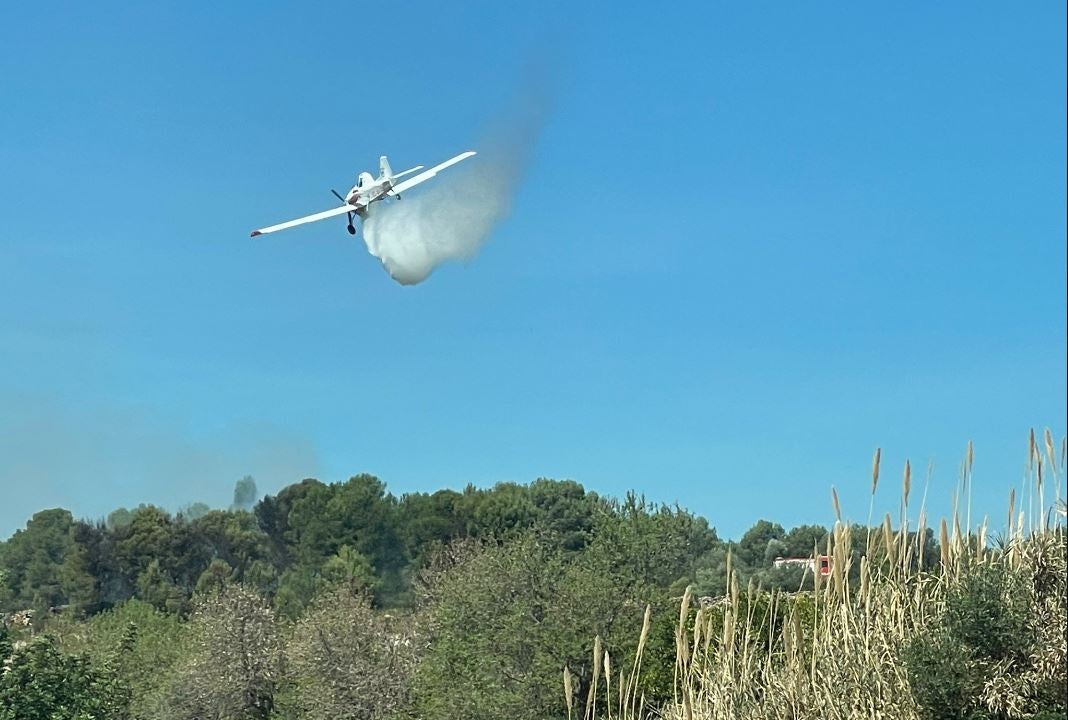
(755, 242)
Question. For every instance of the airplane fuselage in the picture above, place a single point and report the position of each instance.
(366, 190)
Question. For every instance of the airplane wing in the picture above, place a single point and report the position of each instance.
(307, 219)
(407, 172)
(424, 176)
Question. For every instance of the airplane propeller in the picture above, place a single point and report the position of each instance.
(351, 228)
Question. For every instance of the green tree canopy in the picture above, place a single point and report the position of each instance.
(43, 683)
(752, 547)
(33, 560)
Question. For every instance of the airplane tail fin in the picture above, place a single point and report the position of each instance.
(383, 167)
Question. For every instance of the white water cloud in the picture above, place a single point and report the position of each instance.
(458, 210)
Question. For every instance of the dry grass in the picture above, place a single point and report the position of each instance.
(836, 652)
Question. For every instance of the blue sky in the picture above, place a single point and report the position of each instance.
(755, 242)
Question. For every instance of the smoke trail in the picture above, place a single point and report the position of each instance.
(454, 216)
(94, 457)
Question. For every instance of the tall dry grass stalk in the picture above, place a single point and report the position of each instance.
(875, 461)
(834, 652)
(569, 692)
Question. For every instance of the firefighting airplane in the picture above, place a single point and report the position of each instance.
(368, 190)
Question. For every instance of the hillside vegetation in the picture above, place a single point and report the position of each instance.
(529, 602)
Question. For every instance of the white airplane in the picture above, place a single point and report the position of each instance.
(368, 190)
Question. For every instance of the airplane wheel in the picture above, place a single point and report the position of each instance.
(352, 230)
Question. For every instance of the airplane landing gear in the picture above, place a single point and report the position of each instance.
(351, 229)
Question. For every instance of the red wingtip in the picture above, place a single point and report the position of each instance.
(255, 233)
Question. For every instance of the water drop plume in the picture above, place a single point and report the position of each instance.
(451, 216)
